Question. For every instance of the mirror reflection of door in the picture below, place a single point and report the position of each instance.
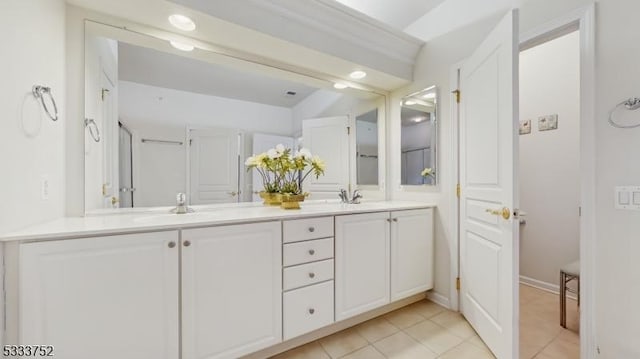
(125, 173)
(367, 148)
(214, 165)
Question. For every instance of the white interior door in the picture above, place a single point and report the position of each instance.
(213, 165)
(488, 241)
(262, 143)
(328, 138)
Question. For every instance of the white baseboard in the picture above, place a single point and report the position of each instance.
(439, 299)
(548, 287)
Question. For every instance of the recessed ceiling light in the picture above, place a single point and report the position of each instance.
(409, 102)
(340, 86)
(182, 22)
(181, 46)
(429, 95)
(357, 74)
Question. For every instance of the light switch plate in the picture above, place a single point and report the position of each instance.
(627, 197)
(548, 122)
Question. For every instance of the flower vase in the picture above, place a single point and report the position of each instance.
(270, 199)
(291, 201)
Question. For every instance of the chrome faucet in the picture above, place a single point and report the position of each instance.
(345, 197)
(181, 205)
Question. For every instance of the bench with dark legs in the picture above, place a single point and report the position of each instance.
(568, 273)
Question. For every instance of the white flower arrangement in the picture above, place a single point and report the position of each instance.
(283, 173)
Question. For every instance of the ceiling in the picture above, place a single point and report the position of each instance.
(397, 13)
(152, 67)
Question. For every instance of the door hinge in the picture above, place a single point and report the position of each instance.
(104, 93)
(458, 94)
(458, 283)
(348, 130)
(458, 190)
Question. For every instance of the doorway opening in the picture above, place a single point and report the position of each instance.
(549, 190)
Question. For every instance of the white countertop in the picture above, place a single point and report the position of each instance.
(154, 219)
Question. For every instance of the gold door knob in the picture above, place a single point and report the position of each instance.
(504, 212)
(114, 200)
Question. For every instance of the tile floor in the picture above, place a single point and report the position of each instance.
(426, 330)
(541, 336)
(423, 330)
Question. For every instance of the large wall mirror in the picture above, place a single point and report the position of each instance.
(419, 138)
(166, 118)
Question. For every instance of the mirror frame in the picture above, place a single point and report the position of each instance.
(435, 145)
(142, 35)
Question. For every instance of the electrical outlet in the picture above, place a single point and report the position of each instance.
(44, 187)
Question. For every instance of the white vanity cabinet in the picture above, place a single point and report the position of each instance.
(231, 290)
(102, 298)
(382, 257)
(362, 263)
(412, 252)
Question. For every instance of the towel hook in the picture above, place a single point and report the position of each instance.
(88, 122)
(631, 105)
(39, 92)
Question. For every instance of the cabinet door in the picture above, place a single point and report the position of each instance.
(102, 298)
(231, 290)
(412, 252)
(362, 263)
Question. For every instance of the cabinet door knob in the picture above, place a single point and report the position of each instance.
(172, 244)
(395, 220)
(311, 310)
(389, 220)
(312, 229)
(312, 275)
(187, 243)
(312, 251)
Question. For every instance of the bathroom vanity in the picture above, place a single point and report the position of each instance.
(221, 283)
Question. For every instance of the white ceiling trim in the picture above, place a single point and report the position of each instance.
(324, 25)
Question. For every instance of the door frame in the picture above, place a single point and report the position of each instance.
(582, 19)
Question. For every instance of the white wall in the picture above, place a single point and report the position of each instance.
(30, 143)
(550, 160)
(153, 104)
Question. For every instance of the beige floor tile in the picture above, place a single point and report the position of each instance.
(404, 317)
(342, 343)
(308, 351)
(402, 346)
(376, 329)
(541, 335)
(455, 323)
(368, 352)
(561, 349)
(543, 356)
(436, 338)
(427, 308)
(530, 350)
(475, 340)
(467, 351)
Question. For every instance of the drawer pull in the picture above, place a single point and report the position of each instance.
(312, 275)
(312, 252)
(312, 229)
(311, 310)
(395, 220)
(172, 244)
(187, 243)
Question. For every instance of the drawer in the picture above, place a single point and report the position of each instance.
(308, 228)
(305, 252)
(307, 309)
(307, 274)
